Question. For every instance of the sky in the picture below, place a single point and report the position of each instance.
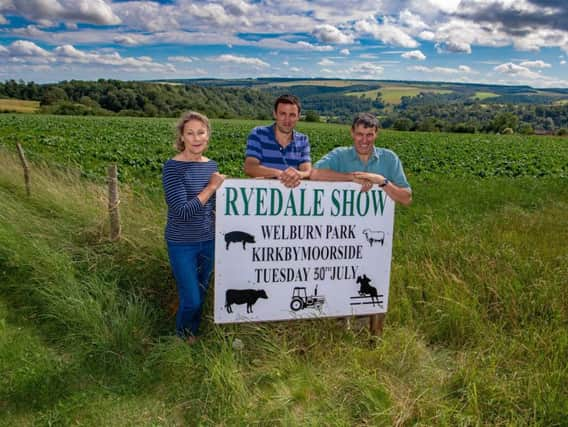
(511, 42)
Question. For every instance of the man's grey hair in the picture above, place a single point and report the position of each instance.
(368, 120)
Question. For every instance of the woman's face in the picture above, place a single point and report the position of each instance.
(195, 137)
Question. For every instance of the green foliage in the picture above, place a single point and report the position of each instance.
(503, 121)
(141, 146)
(475, 335)
(312, 116)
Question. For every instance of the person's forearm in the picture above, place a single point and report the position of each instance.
(329, 175)
(206, 194)
(258, 171)
(305, 170)
(398, 194)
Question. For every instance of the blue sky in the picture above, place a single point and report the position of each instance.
(482, 41)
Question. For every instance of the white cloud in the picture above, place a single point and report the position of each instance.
(243, 60)
(412, 21)
(89, 11)
(329, 34)
(29, 54)
(309, 46)
(326, 62)
(184, 59)
(345, 52)
(388, 33)
(414, 54)
(427, 35)
(563, 62)
(516, 70)
(237, 7)
(27, 48)
(535, 64)
(366, 70)
(441, 70)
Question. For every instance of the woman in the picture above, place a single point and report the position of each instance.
(190, 180)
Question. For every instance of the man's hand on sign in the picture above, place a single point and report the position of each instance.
(290, 177)
(366, 185)
(374, 178)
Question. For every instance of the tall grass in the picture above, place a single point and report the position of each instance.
(476, 333)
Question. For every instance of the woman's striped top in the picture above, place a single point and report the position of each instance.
(188, 220)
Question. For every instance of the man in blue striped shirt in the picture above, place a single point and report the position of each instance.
(278, 151)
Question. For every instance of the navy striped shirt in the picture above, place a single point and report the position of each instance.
(262, 145)
(188, 220)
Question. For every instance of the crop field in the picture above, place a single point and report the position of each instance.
(140, 146)
(391, 94)
(19, 106)
(484, 95)
(476, 331)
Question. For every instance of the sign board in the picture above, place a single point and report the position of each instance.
(322, 249)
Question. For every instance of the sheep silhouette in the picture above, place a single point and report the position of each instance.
(374, 236)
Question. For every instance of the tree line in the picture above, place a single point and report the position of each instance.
(517, 111)
(109, 97)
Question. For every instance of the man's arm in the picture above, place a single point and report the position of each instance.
(401, 195)
(305, 170)
(254, 169)
(330, 175)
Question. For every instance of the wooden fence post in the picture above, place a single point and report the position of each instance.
(376, 323)
(25, 166)
(113, 202)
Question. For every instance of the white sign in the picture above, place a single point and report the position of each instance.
(322, 249)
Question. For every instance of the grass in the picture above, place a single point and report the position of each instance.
(392, 94)
(476, 331)
(19, 106)
(484, 95)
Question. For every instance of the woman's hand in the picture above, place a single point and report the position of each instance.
(216, 180)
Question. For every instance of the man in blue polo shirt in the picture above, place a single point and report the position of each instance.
(364, 163)
(278, 151)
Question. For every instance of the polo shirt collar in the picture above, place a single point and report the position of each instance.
(374, 155)
(273, 134)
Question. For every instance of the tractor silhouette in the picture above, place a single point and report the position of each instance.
(301, 300)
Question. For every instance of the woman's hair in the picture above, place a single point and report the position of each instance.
(187, 117)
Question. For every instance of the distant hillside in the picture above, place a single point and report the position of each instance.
(425, 106)
(140, 98)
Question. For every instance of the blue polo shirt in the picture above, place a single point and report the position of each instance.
(382, 161)
(262, 145)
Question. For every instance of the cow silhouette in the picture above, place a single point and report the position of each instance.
(243, 296)
(367, 289)
(238, 236)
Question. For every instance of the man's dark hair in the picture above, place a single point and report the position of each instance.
(288, 99)
(368, 120)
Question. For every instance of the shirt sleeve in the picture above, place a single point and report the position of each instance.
(398, 176)
(306, 152)
(176, 195)
(329, 161)
(254, 148)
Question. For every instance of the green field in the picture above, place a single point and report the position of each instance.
(19, 106)
(139, 146)
(391, 94)
(484, 95)
(476, 332)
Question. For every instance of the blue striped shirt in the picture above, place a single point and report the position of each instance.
(188, 220)
(262, 145)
